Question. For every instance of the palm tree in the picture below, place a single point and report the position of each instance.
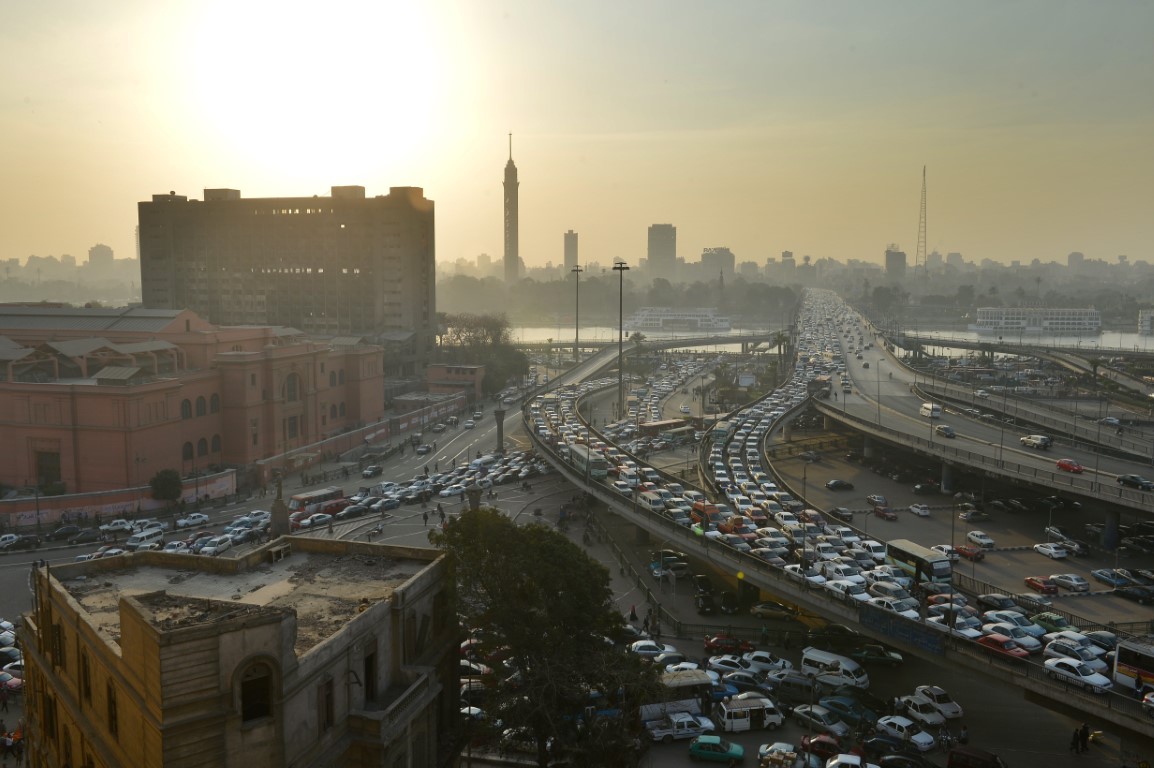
(779, 340)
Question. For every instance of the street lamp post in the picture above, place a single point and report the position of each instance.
(620, 268)
(577, 314)
(879, 372)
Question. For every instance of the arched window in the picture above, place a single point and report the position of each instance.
(186, 409)
(256, 692)
(186, 451)
(214, 404)
(202, 447)
(333, 411)
(216, 443)
(341, 376)
(342, 409)
(332, 378)
(201, 406)
(292, 387)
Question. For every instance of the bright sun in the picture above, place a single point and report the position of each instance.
(333, 90)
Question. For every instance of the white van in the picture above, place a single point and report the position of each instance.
(652, 501)
(734, 714)
(833, 670)
(629, 477)
(150, 536)
(933, 410)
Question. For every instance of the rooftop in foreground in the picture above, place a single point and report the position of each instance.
(324, 589)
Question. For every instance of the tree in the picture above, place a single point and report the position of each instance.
(542, 607)
(166, 485)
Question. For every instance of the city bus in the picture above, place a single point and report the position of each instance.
(302, 501)
(920, 563)
(658, 428)
(588, 461)
(1134, 665)
(720, 432)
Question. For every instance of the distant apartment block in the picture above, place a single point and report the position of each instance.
(309, 652)
(895, 263)
(340, 265)
(1146, 322)
(717, 261)
(571, 255)
(661, 253)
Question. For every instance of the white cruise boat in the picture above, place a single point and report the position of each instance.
(658, 319)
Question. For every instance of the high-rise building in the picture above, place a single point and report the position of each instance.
(571, 259)
(512, 246)
(340, 266)
(895, 263)
(716, 261)
(661, 258)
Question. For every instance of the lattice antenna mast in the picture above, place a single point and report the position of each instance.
(920, 256)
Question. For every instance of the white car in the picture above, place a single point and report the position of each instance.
(921, 710)
(193, 520)
(980, 539)
(906, 730)
(1050, 550)
(217, 545)
(727, 663)
(762, 662)
(1060, 649)
(469, 424)
(949, 709)
(1028, 642)
(1016, 618)
(1070, 581)
(799, 573)
(952, 554)
(921, 510)
(1078, 673)
(961, 627)
(178, 547)
(848, 590)
(906, 608)
(650, 648)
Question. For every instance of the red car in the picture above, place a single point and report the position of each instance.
(1069, 465)
(722, 643)
(1005, 647)
(885, 513)
(1042, 584)
(970, 552)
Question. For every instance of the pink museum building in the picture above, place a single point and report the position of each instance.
(100, 399)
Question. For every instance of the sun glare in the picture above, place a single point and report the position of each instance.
(335, 90)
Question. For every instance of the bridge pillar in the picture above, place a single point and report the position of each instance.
(947, 479)
(867, 450)
(1110, 537)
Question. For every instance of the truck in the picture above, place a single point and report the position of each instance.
(679, 725)
(1037, 441)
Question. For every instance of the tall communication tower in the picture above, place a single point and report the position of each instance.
(920, 256)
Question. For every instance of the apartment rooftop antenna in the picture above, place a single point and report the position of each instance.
(920, 256)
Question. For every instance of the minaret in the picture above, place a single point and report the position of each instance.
(512, 250)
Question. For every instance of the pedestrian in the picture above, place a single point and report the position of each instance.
(426, 470)
(1075, 742)
(462, 497)
(963, 735)
(436, 466)
(1084, 737)
(897, 705)
(633, 613)
(434, 445)
(442, 513)
(425, 517)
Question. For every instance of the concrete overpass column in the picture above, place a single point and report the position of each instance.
(1110, 537)
(867, 450)
(947, 479)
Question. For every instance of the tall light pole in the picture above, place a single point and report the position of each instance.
(620, 267)
(577, 315)
(879, 372)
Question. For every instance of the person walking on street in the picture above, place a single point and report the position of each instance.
(425, 517)
(1076, 742)
(3, 704)
(1084, 737)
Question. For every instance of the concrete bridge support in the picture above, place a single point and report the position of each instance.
(867, 450)
(947, 479)
(1110, 536)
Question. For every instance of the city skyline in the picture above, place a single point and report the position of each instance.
(760, 127)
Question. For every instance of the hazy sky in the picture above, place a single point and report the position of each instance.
(758, 125)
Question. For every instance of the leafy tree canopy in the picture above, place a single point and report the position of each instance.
(166, 485)
(543, 610)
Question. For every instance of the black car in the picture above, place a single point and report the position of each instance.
(923, 489)
(1136, 481)
(706, 605)
(841, 513)
(702, 584)
(372, 470)
(729, 603)
(1140, 595)
(835, 636)
(86, 536)
(839, 485)
(64, 532)
(356, 510)
(904, 759)
(1075, 547)
(24, 541)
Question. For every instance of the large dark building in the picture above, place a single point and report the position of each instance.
(662, 253)
(344, 265)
